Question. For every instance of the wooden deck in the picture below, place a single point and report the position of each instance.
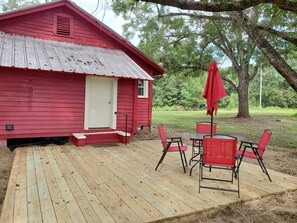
(117, 184)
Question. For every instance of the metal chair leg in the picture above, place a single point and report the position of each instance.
(260, 164)
(185, 158)
(200, 174)
(182, 160)
(265, 170)
(238, 188)
(161, 159)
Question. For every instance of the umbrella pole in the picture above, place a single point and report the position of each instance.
(211, 121)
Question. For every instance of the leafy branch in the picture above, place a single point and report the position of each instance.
(225, 6)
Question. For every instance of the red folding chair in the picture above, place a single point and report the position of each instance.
(173, 144)
(219, 152)
(256, 151)
(202, 127)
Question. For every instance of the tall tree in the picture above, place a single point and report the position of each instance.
(239, 13)
(209, 35)
(238, 48)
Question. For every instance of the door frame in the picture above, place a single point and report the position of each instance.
(114, 92)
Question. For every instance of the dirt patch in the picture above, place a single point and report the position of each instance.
(274, 209)
(6, 161)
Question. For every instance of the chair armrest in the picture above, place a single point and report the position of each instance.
(177, 140)
(244, 143)
(254, 148)
(251, 147)
(247, 142)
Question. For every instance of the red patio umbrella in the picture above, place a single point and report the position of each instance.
(214, 90)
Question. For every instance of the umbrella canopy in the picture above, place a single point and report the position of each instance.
(214, 89)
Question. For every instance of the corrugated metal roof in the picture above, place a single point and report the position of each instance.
(32, 53)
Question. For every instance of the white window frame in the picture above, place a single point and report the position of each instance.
(145, 89)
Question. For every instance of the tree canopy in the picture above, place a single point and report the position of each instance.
(9, 5)
(263, 35)
(186, 41)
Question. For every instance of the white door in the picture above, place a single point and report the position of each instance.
(100, 102)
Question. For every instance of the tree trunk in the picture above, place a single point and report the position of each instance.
(243, 97)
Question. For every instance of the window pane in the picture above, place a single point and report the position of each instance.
(140, 88)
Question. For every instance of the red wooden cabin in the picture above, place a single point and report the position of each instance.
(65, 74)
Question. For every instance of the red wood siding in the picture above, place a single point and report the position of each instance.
(125, 104)
(41, 103)
(145, 108)
(143, 112)
(41, 25)
(139, 110)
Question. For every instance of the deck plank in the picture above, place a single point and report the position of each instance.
(99, 212)
(172, 171)
(20, 204)
(113, 203)
(134, 182)
(170, 185)
(154, 197)
(34, 209)
(127, 166)
(72, 206)
(47, 209)
(140, 206)
(79, 196)
(118, 184)
(58, 202)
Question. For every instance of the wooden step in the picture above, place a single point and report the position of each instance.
(102, 137)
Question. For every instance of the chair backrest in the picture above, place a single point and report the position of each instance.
(219, 150)
(264, 141)
(204, 128)
(162, 136)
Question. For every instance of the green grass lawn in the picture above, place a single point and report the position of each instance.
(282, 122)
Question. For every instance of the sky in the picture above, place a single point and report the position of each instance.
(106, 16)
